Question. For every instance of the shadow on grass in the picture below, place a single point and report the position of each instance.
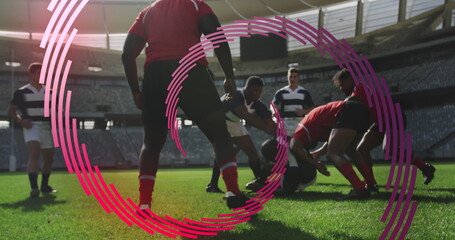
(415, 197)
(33, 204)
(263, 229)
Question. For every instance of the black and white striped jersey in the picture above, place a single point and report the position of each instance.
(288, 101)
(30, 102)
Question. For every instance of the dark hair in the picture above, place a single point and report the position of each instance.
(293, 70)
(340, 76)
(254, 81)
(33, 67)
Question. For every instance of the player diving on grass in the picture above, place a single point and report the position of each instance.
(245, 106)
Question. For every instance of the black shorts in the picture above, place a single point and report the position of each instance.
(353, 115)
(197, 98)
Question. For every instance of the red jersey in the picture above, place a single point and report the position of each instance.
(317, 124)
(170, 28)
(362, 92)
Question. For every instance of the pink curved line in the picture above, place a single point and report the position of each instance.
(77, 149)
(235, 26)
(322, 37)
(54, 52)
(50, 26)
(410, 190)
(196, 227)
(394, 136)
(101, 197)
(184, 68)
(383, 110)
(214, 36)
(178, 80)
(141, 219)
(264, 199)
(330, 39)
(413, 206)
(60, 123)
(387, 123)
(409, 220)
(381, 94)
(112, 198)
(249, 214)
(398, 177)
(46, 56)
(293, 32)
(57, 75)
(51, 5)
(136, 215)
(128, 213)
(102, 189)
(308, 29)
(216, 224)
(300, 30)
(238, 214)
(166, 228)
(256, 24)
(399, 203)
(178, 227)
(216, 220)
(55, 56)
(268, 190)
(232, 216)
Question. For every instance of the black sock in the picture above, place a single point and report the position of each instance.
(256, 168)
(33, 178)
(45, 179)
(215, 175)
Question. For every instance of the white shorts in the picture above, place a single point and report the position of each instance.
(236, 129)
(40, 132)
(290, 124)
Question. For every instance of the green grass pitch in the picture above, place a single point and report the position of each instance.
(180, 193)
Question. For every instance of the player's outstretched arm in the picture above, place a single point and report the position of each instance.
(209, 24)
(131, 50)
(300, 153)
(252, 119)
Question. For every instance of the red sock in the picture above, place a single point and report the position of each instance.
(229, 172)
(146, 184)
(367, 172)
(349, 173)
(417, 162)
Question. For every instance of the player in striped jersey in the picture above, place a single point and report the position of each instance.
(29, 100)
(292, 102)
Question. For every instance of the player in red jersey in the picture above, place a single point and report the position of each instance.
(170, 28)
(373, 137)
(341, 124)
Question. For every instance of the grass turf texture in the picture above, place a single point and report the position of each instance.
(180, 193)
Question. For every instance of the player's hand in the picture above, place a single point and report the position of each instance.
(314, 155)
(138, 100)
(26, 123)
(229, 87)
(322, 169)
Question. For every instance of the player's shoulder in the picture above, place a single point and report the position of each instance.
(283, 90)
(302, 89)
